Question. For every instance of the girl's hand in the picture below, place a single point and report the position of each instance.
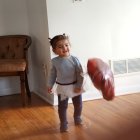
(77, 90)
(49, 89)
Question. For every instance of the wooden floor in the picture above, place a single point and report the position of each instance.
(103, 120)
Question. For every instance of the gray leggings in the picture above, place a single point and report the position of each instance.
(63, 105)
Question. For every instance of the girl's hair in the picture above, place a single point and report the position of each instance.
(57, 38)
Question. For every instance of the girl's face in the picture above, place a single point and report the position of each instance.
(62, 48)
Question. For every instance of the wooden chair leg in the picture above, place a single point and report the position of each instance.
(27, 88)
(27, 85)
(22, 85)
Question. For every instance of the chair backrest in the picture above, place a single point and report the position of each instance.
(14, 61)
(14, 46)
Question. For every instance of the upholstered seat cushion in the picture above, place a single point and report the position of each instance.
(12, 65)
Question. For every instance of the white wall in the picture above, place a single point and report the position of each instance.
(125, 28)
(40, 49)
(13, 20)
(13, 17)
(107, 29)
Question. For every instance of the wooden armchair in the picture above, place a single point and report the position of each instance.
(13, 60)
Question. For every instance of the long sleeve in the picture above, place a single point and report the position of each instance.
(79, 72)
(52, 76)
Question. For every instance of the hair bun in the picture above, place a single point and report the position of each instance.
(49, 39)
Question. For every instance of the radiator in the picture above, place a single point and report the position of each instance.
(125, 66)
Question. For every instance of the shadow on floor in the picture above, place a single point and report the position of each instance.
(14, 101)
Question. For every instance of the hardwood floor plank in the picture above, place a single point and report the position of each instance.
(103, 120)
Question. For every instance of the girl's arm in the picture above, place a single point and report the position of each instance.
(79, 76)
(51, 78)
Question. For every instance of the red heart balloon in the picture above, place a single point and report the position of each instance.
(102, 77)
